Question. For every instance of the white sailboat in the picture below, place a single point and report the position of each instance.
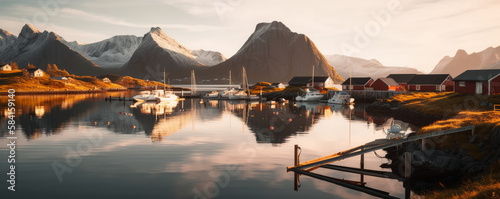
(245, 93)
(311, 94)
(341, 98)
(156, 95)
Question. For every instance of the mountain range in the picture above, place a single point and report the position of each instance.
(271, 53)
(462, 61)
(274, 53)
(42, 48)
(365, 68)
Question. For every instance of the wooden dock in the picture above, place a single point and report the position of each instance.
(306, 168)
(118, 99)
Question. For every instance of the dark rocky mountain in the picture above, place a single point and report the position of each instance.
(273, 53)
(462, 61)
(42, 48)
(6, 39)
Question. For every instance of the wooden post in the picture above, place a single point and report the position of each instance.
(424, 142)
(362, 165)
(407, 164)
(473, 131)
(296, 150)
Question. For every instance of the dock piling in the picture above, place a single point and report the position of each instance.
(407, 164)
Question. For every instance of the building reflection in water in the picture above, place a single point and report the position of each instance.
(270, 122)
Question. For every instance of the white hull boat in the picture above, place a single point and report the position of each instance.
(312, 95)
(341, 98)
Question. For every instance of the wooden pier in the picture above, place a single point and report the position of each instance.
(306, 168)
(118, 99)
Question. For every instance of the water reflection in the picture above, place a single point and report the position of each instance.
(270, 122)
(185, 143)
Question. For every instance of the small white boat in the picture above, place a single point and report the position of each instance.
(144, 96)
(167, 96)
(312, 95)
(227, 92)
(155, 95)
(213, 94)
(341, 98)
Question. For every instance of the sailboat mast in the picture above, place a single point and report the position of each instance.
(350, 79)
(164, 86)
(312, 85)
(229, 78)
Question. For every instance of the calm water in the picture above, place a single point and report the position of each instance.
(182, 150)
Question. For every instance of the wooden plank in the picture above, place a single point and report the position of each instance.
(364, 189)
(369, 148)
(368, 172)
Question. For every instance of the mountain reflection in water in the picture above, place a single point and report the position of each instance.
(270, 122)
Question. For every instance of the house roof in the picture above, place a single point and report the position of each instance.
(276, 84)
(33, 69)
(2, 65)
(357, 81)
(306, 79)
(478, 75)
(432, 79)
(402, 78)
(389, 81)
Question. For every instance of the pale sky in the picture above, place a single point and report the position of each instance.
(418, 33)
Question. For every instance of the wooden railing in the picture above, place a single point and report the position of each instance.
(496, 107)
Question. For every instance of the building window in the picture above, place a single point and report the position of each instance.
(351, 87)
(438, 88)
(417, 87)
(344, 87)
(443, 88)
(461, 84)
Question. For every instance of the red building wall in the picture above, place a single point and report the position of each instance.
(380, 85)
(495, 86)
(470, 87)
(369, 84)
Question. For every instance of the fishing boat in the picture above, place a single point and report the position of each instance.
(243, 94)
(341, 98)
(213, 94)
(311, 95)
(145, 96)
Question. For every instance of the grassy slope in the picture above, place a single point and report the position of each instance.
(21, 83)
(460, 110)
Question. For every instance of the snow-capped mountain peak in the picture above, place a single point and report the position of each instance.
(168, 43)
(209, 58)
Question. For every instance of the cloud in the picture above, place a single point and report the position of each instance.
(118, 22)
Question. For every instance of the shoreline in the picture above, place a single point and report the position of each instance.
(64, 92)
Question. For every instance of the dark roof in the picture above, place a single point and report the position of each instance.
(432, 79)
(357, 81)
(32, 69)
(478, 75)
(401, 78)
(303, 80)
(276, 84)
(389, 81)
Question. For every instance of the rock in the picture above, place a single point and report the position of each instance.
(448, 163)
(472, 139)
(484, 103)
(495, 138)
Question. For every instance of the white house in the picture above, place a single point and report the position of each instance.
(5, 67)
(106, 80)
(35, 72)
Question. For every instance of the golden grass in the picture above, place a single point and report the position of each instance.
(486, 187)
(131, 82)
(47, 84)
(446, 104)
